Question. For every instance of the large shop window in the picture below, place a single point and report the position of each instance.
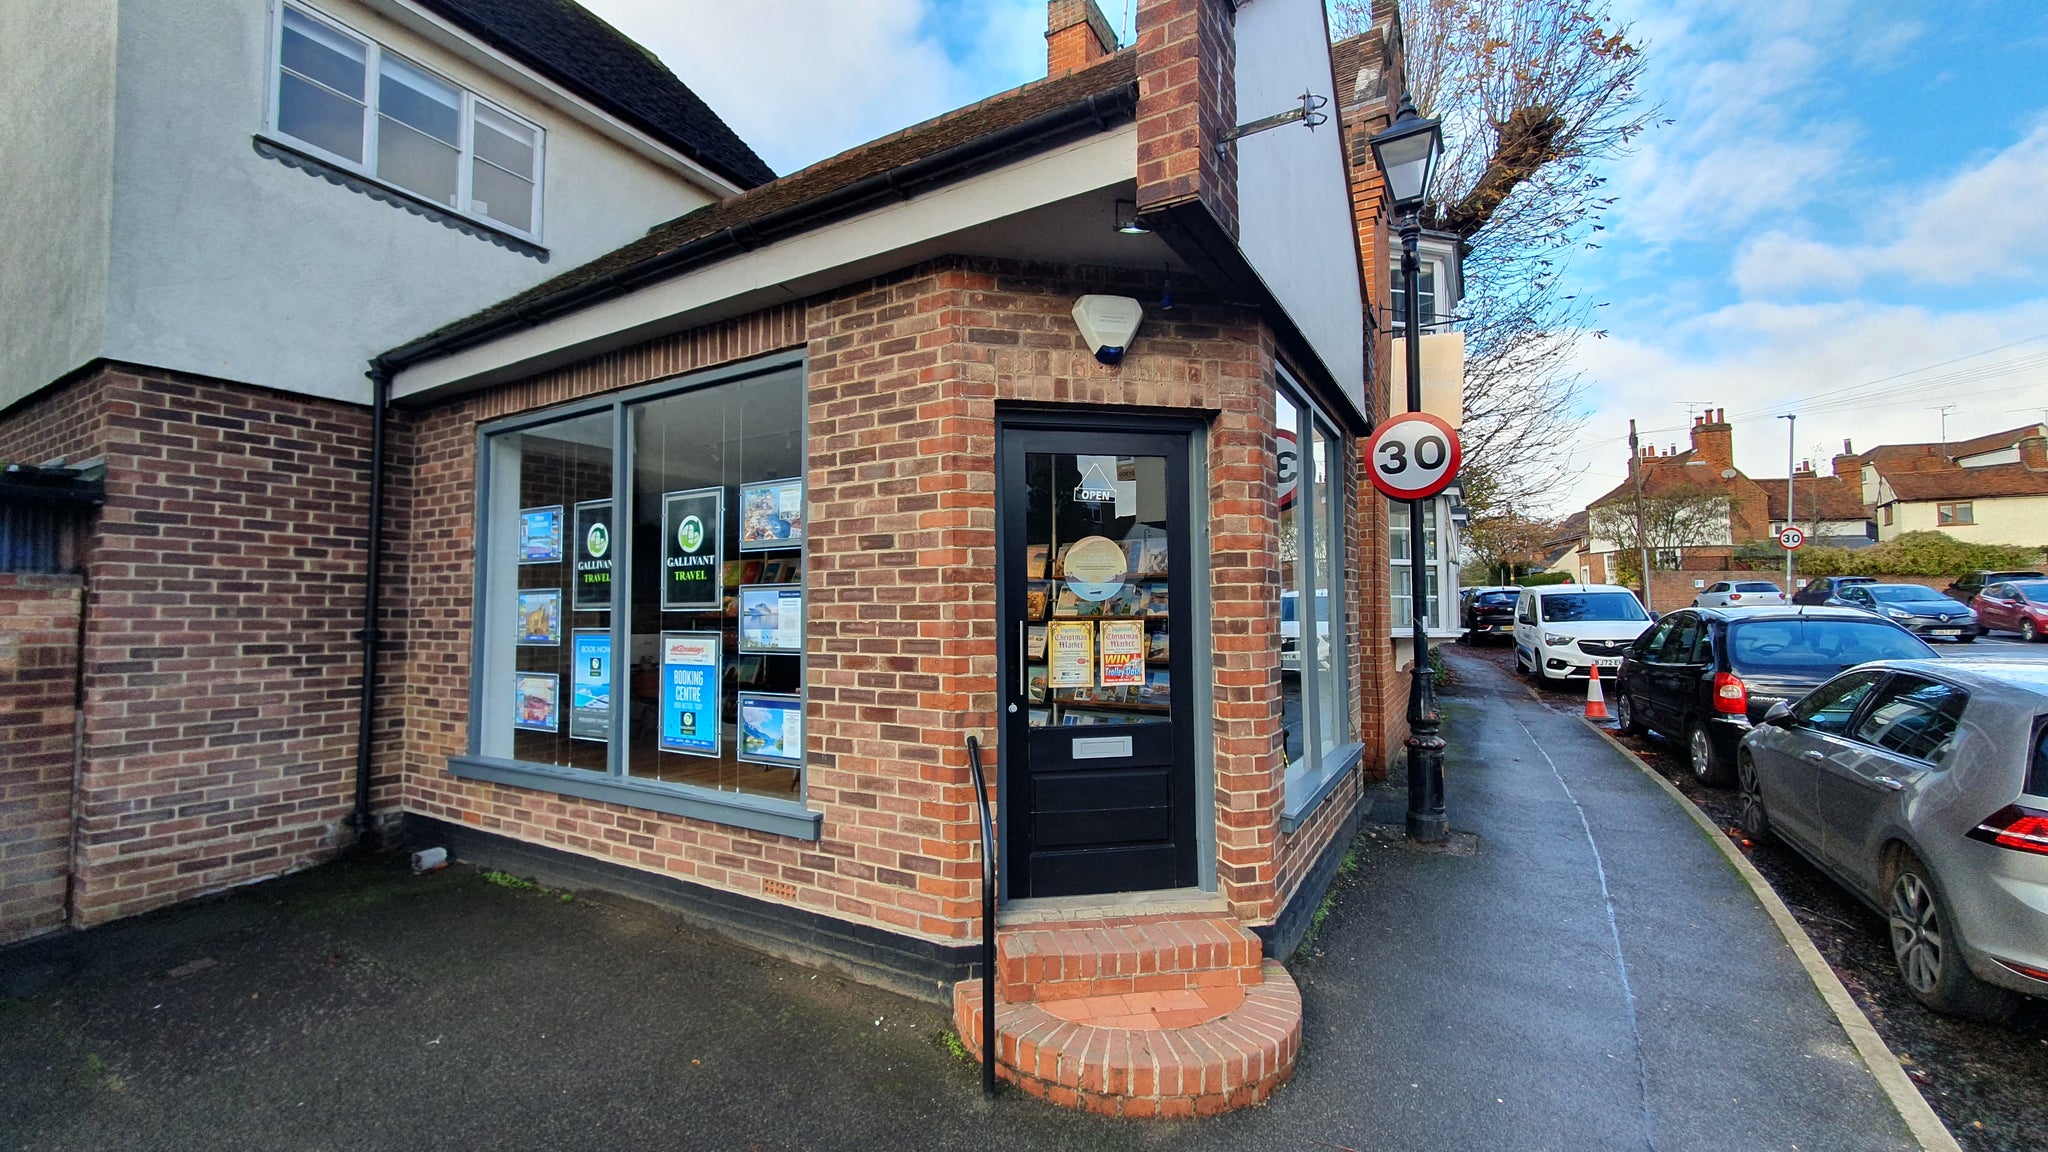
(687, 609)
(1314, 626)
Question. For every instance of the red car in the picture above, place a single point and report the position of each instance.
(2014, 606)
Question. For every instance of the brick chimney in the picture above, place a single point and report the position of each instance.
(1847, 461)
(2034, 453)
(1076, 35)
(1713, 441)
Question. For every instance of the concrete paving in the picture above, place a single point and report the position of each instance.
(1588, 974)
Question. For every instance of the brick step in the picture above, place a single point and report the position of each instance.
(1075, 959)
(1190, 1052)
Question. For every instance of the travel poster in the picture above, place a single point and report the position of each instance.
(771, 729)
(538, 697)
(593, 557)
(540, 617)
(1123, 653)
(691, 525)
(590, 684)
(1070, 654)
(772, 514)
(771, 618)
(689, 692)
(540, 535)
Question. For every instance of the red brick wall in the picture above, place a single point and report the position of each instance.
(38, 713)
(224, 586)
(1187, 99)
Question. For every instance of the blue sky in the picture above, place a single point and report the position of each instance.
(1850, 190)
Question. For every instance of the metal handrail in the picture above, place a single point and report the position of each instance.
(988, 922)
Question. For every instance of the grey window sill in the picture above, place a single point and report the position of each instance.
(1305, 791)
(762, 815)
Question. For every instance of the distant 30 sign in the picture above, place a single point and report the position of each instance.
(1414, 456)
(1791, 538)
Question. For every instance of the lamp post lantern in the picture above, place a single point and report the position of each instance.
(1406, 153)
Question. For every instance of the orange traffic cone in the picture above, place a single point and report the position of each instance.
(1596, 700)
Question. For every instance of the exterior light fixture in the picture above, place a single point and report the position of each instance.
(1127, 221)
(1407, 153)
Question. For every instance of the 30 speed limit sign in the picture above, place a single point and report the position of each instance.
(1791, 538)
(1414, 456)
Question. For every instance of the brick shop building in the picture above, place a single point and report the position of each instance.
(701, 562)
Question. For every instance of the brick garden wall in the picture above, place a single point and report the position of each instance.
(224, 586)
(38, 730)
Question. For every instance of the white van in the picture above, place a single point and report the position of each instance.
(1563, 630)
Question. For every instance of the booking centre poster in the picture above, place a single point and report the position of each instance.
(689, 692)
(692, 525)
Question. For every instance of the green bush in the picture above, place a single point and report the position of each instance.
(1539, 579)
(1914, 554)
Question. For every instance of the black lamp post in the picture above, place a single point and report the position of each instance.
(1407, 154)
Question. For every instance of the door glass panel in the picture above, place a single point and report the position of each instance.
(1915, 718)
(1324, 643)
(1830, 707)
(1096, 636)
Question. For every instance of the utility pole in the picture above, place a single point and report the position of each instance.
(1635, 471)
(1791, 513)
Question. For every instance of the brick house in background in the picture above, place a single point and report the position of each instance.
(703, 557)
(1707, 466)
(1990, 489)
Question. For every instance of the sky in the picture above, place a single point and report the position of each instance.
(1845, 219)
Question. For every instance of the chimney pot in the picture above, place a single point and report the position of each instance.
(1848, 449)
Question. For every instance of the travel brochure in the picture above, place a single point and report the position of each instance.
(772, 515)
(775, 571)
(771, 729)
(540, 617)
(771, 618)
(1148, 599)
(537, 701)
(590, 685)
(540, 535)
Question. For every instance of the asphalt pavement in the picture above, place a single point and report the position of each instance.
(1581, 970)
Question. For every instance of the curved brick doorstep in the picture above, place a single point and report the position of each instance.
(1235, 1058)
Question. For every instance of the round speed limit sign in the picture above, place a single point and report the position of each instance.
(1414, 456)
(1791, 538)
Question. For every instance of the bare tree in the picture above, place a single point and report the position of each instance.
(1535, 95)
(1673, 518)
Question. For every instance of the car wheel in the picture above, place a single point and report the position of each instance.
(2029, 633)
(1625, 713)
(1709, 767)
(1756, 823)
(1929, 956)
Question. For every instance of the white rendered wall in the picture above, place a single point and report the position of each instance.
(233, 265)
(56, 169)
(1293, 192)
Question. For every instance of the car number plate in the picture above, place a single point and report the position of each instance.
(1944, 631)
(1608, 661)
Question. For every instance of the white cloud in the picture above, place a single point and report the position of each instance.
(1753, 357)
(1988, 221)
(800, 80)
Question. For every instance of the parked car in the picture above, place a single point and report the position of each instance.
(1922, 787)
(1828, 589)
(1725, 593)
(1969, 584)
(1919, 610)
(1707, 675)
(1563, 630)
(1487, 611)
(2014, 606)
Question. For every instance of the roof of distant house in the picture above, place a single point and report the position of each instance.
(1671, 475)
(798, 202)
(1817, 498)
(571, 46)
(1981, 483)
(1892, 458)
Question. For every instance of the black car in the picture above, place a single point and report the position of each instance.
(1918, 609)
(1705, 675)
(1969, 584)
(1487, 612)
(1828, 589)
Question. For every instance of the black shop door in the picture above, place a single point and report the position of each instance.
(1096, 657)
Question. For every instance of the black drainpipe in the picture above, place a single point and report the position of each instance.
(380, 402)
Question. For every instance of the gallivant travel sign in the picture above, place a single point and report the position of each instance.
(692, 524)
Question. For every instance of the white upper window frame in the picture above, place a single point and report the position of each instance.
(366, 168)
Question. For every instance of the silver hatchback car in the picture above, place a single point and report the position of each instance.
(1922, 786)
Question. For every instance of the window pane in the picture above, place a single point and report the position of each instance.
(539, 647)
(319, 53)
(1915, 718)
(1399, 583)
(501, 196)
(319, 117)
(1333, 719)
(418, 131)
(718, 627)
(504, 142)
(1288, 464)
(1829, 707)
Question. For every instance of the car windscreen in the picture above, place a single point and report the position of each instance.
(1820, 648)
(1498, 599)
(1905, 593)
(1755, 586)
(1591, 607)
